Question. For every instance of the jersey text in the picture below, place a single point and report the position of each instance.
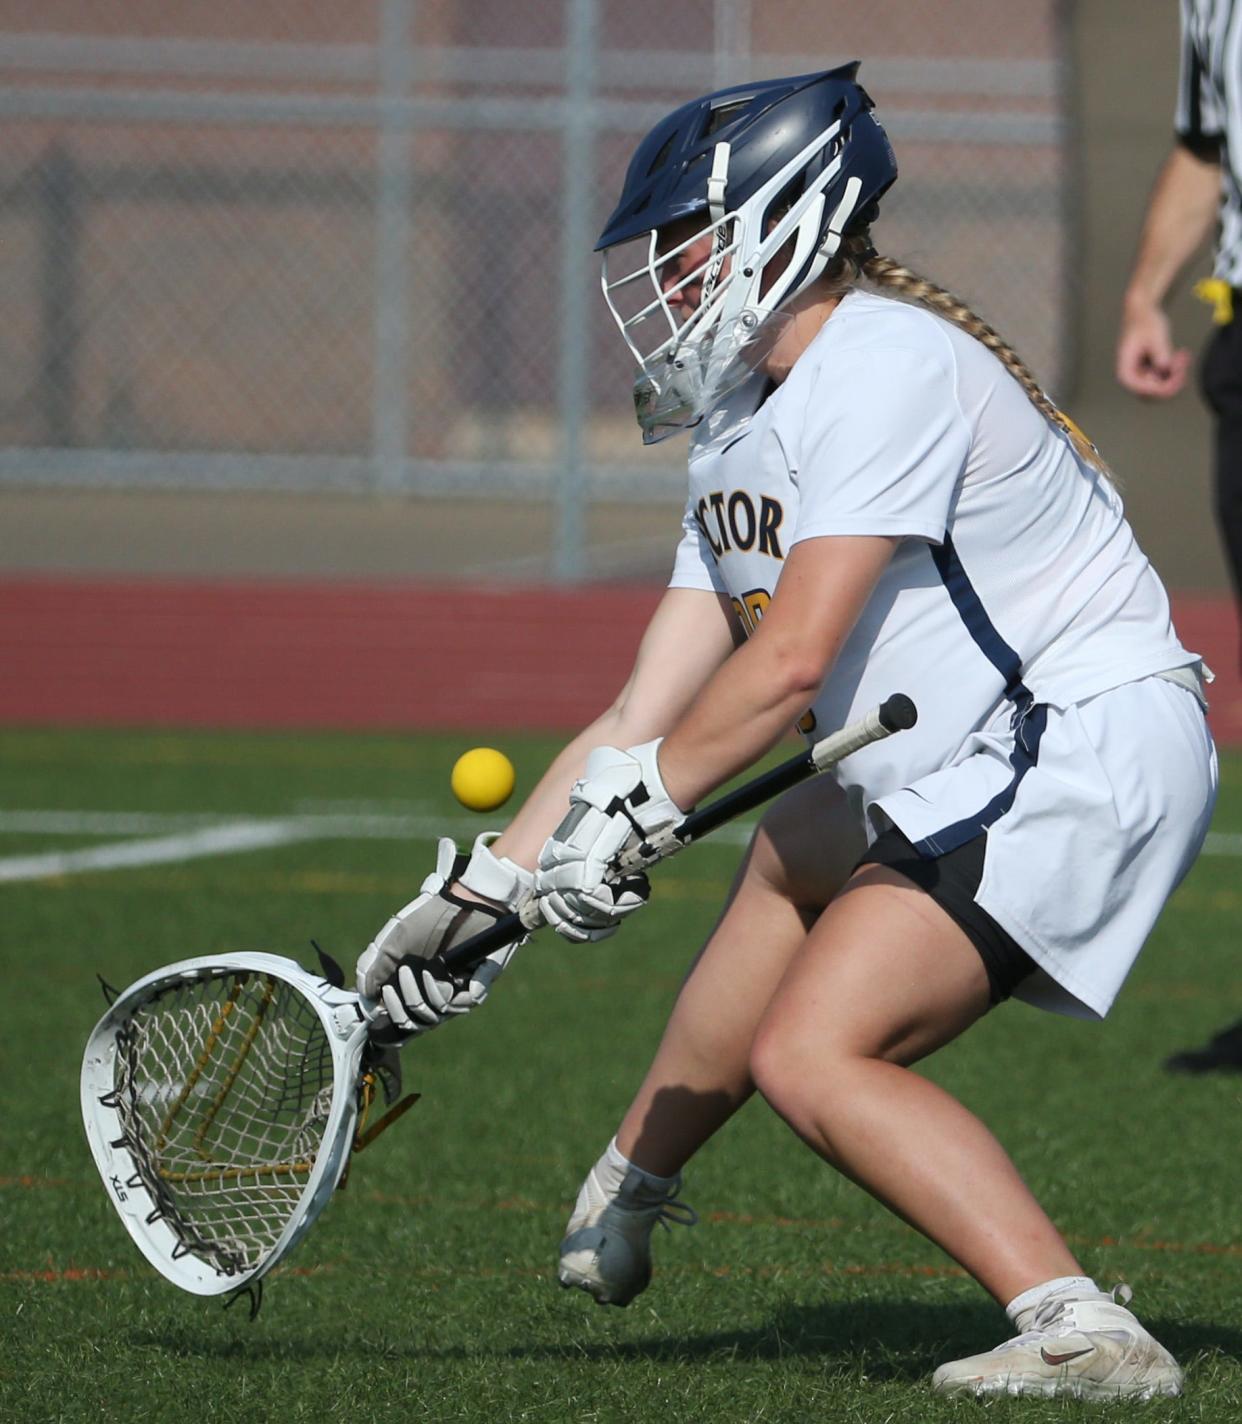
(738, 525)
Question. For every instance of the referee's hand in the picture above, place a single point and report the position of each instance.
(1148, 364)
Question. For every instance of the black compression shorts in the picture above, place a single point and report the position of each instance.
(952, 880)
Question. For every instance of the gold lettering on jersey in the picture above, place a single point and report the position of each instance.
(717, 502)
(736, 525)
(742, 519)
(756, 602)
(700, 517)
(770, 516)
(750, 609)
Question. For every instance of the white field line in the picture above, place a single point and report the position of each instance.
(103, 823)
(228, 839)
(189, 837)
(169, 837)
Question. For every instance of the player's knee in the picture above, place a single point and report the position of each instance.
(769, 1065)
(807, 1083)
(792, 1066)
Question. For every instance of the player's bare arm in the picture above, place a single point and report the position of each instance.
(690, 634)
(762, 690)
(1180, 215)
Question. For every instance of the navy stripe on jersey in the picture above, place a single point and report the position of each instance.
(1029, 717)
(975, 616)
(1031, 723)
(1208, 117)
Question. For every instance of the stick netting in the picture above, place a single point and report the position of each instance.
(224, 1088)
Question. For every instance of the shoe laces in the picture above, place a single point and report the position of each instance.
(667, 1211)
(1056, 1314)
(675, 1212)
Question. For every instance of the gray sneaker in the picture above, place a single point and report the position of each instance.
(1085, 1346)
(607, 1247)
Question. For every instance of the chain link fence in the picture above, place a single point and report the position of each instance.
(265, 245)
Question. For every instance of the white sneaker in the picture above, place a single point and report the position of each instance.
(607, 1247)
(1086, 1346)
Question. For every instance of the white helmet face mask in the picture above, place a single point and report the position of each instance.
(689, 363)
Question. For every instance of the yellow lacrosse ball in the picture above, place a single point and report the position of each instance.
(483, 778)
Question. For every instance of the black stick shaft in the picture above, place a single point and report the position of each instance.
(894, 715)
(746, 797)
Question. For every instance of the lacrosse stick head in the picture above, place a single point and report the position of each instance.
(220, 1097)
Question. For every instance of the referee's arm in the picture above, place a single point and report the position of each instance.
(1180, 215)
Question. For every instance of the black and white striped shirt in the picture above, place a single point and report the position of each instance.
(1209, 112)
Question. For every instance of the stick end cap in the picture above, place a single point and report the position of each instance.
(898, 713)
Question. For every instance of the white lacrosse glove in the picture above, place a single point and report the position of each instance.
(619, 802)
(396, 971)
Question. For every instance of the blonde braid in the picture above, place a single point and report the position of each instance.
(885, 273)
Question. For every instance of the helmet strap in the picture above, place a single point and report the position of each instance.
(839, 219)
(717, 182)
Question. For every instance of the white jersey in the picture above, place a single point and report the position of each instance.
(1017, 589)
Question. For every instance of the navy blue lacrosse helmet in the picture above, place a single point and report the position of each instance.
(783, 166)
(765, 125)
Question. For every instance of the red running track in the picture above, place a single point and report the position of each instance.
(102, 652)
(291, 654)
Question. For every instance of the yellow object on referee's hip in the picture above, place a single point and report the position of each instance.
(1218, 294)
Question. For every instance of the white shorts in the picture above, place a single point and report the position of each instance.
(1089, 834)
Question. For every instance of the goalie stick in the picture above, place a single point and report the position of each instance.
(223, 1096)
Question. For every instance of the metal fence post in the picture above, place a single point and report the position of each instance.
(390, 385)
(60, 218)
(581, 25)
(731, 23)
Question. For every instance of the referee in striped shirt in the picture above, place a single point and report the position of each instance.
(1200, 184)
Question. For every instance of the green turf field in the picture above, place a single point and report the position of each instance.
(427, 1290)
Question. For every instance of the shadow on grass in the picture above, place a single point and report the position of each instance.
(1186, 1339)
(897, 1341)
(885, 1340)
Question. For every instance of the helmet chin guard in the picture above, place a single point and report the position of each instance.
(778, 172)
(675, 390)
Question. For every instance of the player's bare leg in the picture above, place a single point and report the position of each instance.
(701, 1073)
(801, 855)
(884, 979)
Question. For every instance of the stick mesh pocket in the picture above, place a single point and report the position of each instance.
(223, 1085)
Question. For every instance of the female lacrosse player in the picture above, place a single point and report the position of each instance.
(881, 499)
